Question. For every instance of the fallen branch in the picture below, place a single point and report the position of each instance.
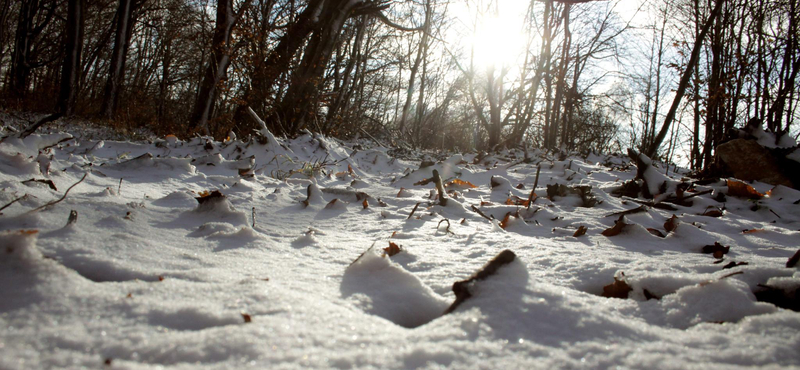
(62, 198)
(462, 288)
(440, 188)
(481, 213)
(628, 211)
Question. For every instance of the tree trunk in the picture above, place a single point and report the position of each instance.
(217, 70)
(299, 106)
(266, 72)
(684, 82)
(116, 72)
(70, 71)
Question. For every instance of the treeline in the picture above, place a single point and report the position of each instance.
(588, 78)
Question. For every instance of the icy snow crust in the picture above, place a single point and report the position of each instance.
(147, 277)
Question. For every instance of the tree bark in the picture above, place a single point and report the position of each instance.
(70, 72)
(217, 69)
(116, 72)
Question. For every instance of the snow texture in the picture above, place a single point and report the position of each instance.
(147, 277)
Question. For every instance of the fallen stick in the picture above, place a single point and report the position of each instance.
(535, 184)
(462, 288)
(481, 213)
(62, 198)
(413, 210)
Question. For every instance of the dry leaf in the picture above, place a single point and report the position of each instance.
(205, 196)
(712, 212)
(394, 233)
(485, 203)
(671, 224)
(734, 264)
(717, 249)
(365, 203)
(504, 223)
(424, 181)
(392, 249)
(617, 228)
(350, 170)
(618, 289)
(740, 189)
(246, 317)
(656, 232)
(648, 295)
(516, 201)
(160, 278)
(580, 232)
(752, 231)
(460, 183)
(792, 262)
(332, 203)
(47, 182)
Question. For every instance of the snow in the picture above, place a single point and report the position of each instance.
(150, 277)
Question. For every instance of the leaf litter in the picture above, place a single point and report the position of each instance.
(213, 287)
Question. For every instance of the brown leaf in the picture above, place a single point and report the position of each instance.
(793, 260)
(365, 203)
(485, 203)
(712, 212)
(671, 224)
(424, 181)
(246, 317)
(618, 289)
(332, 203)
(717, 249)
(392, 249)
(460, 183)
(205, 196)
(520, 186)
(580, 232)
(504, 223)
(740, 189)
(516, 201)
(734, 264)
(617, 228)
(648, 296)
(752, 231)
(656, 232)
(160, 278)
(47, 182)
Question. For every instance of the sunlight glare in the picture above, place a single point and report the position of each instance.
(498, 41)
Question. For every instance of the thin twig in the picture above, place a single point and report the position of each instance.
(119, 188)
(12, 202)
(641, 208)
(413, 210)
(481, 213)
(698, 194)
(62, 198)
(448, 225)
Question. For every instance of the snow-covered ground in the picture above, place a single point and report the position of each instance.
(273, 274)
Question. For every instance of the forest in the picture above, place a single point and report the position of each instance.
(671, 78)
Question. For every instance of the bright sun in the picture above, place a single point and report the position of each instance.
(498, 40)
